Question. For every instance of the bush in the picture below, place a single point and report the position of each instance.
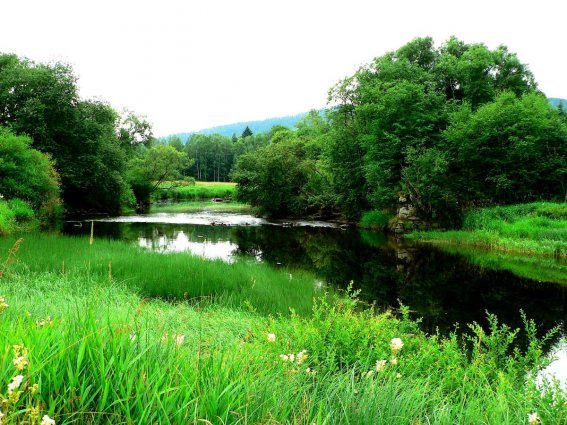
(7, 219)
(26, 173)
(375, 220)
(22, 211)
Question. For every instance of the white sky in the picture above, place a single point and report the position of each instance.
(188, 65)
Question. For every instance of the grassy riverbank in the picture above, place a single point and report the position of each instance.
(537, 228)
(174, 276)
(196, 206)
(198, 191)
(106, 355)
(101, 351)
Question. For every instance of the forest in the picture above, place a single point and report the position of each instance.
(452, 128)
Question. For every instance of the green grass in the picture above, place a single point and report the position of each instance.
(175, 276)
(375, 220)
(110, 356)
(199, 191)
(195, 206)
(536, 228)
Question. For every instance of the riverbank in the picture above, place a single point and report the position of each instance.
(537, 228)
(182, 191)
(93, 341)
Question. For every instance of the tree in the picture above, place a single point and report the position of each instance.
(151, 168)
(81, 136)
(247, 132)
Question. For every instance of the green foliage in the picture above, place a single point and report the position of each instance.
(197, 191)
(375, 220)
(95, 347)
(7, 219)
(151, 168)
(391, 115)
(287, 177)
(26, 173)
(22, 210)
(16, 216)
(42, 102)
(536, 228)
(247, 132)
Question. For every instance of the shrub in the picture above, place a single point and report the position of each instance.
(375, 220)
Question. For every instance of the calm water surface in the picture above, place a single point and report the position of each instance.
(446, 289)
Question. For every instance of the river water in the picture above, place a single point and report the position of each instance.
(446, 290)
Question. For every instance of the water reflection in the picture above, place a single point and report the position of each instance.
(443, 288)
(179, 241)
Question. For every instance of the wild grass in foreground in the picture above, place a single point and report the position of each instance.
(198, 191)
(100, 353)
(536, 228)
(175, 276)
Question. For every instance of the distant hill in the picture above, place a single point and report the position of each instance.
(556, 101)
(260, 126)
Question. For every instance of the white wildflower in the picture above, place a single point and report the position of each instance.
(15, 384)
(533, 418)
(21, 362)
(369, 374)
(46, 420)
(396, 345)
(179, 339)
(398, 375)
(284, 357)
(271, 337)
(380, 365)
(3, 306)
(394, 361)
(301, 356)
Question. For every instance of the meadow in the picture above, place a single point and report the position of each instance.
(196, 206)
(535, 228)
(198, 191)
(85, 343)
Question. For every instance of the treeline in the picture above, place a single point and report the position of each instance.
(449, 128)
(213, 156)
(58, 150)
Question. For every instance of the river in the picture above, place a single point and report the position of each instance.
(446, 290)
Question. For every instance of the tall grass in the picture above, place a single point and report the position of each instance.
(536, 228)
(109, 356)
(174, 276)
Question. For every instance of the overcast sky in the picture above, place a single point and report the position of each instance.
(188, 65)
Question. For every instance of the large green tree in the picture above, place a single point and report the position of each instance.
(395, 110)
(42, 102)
